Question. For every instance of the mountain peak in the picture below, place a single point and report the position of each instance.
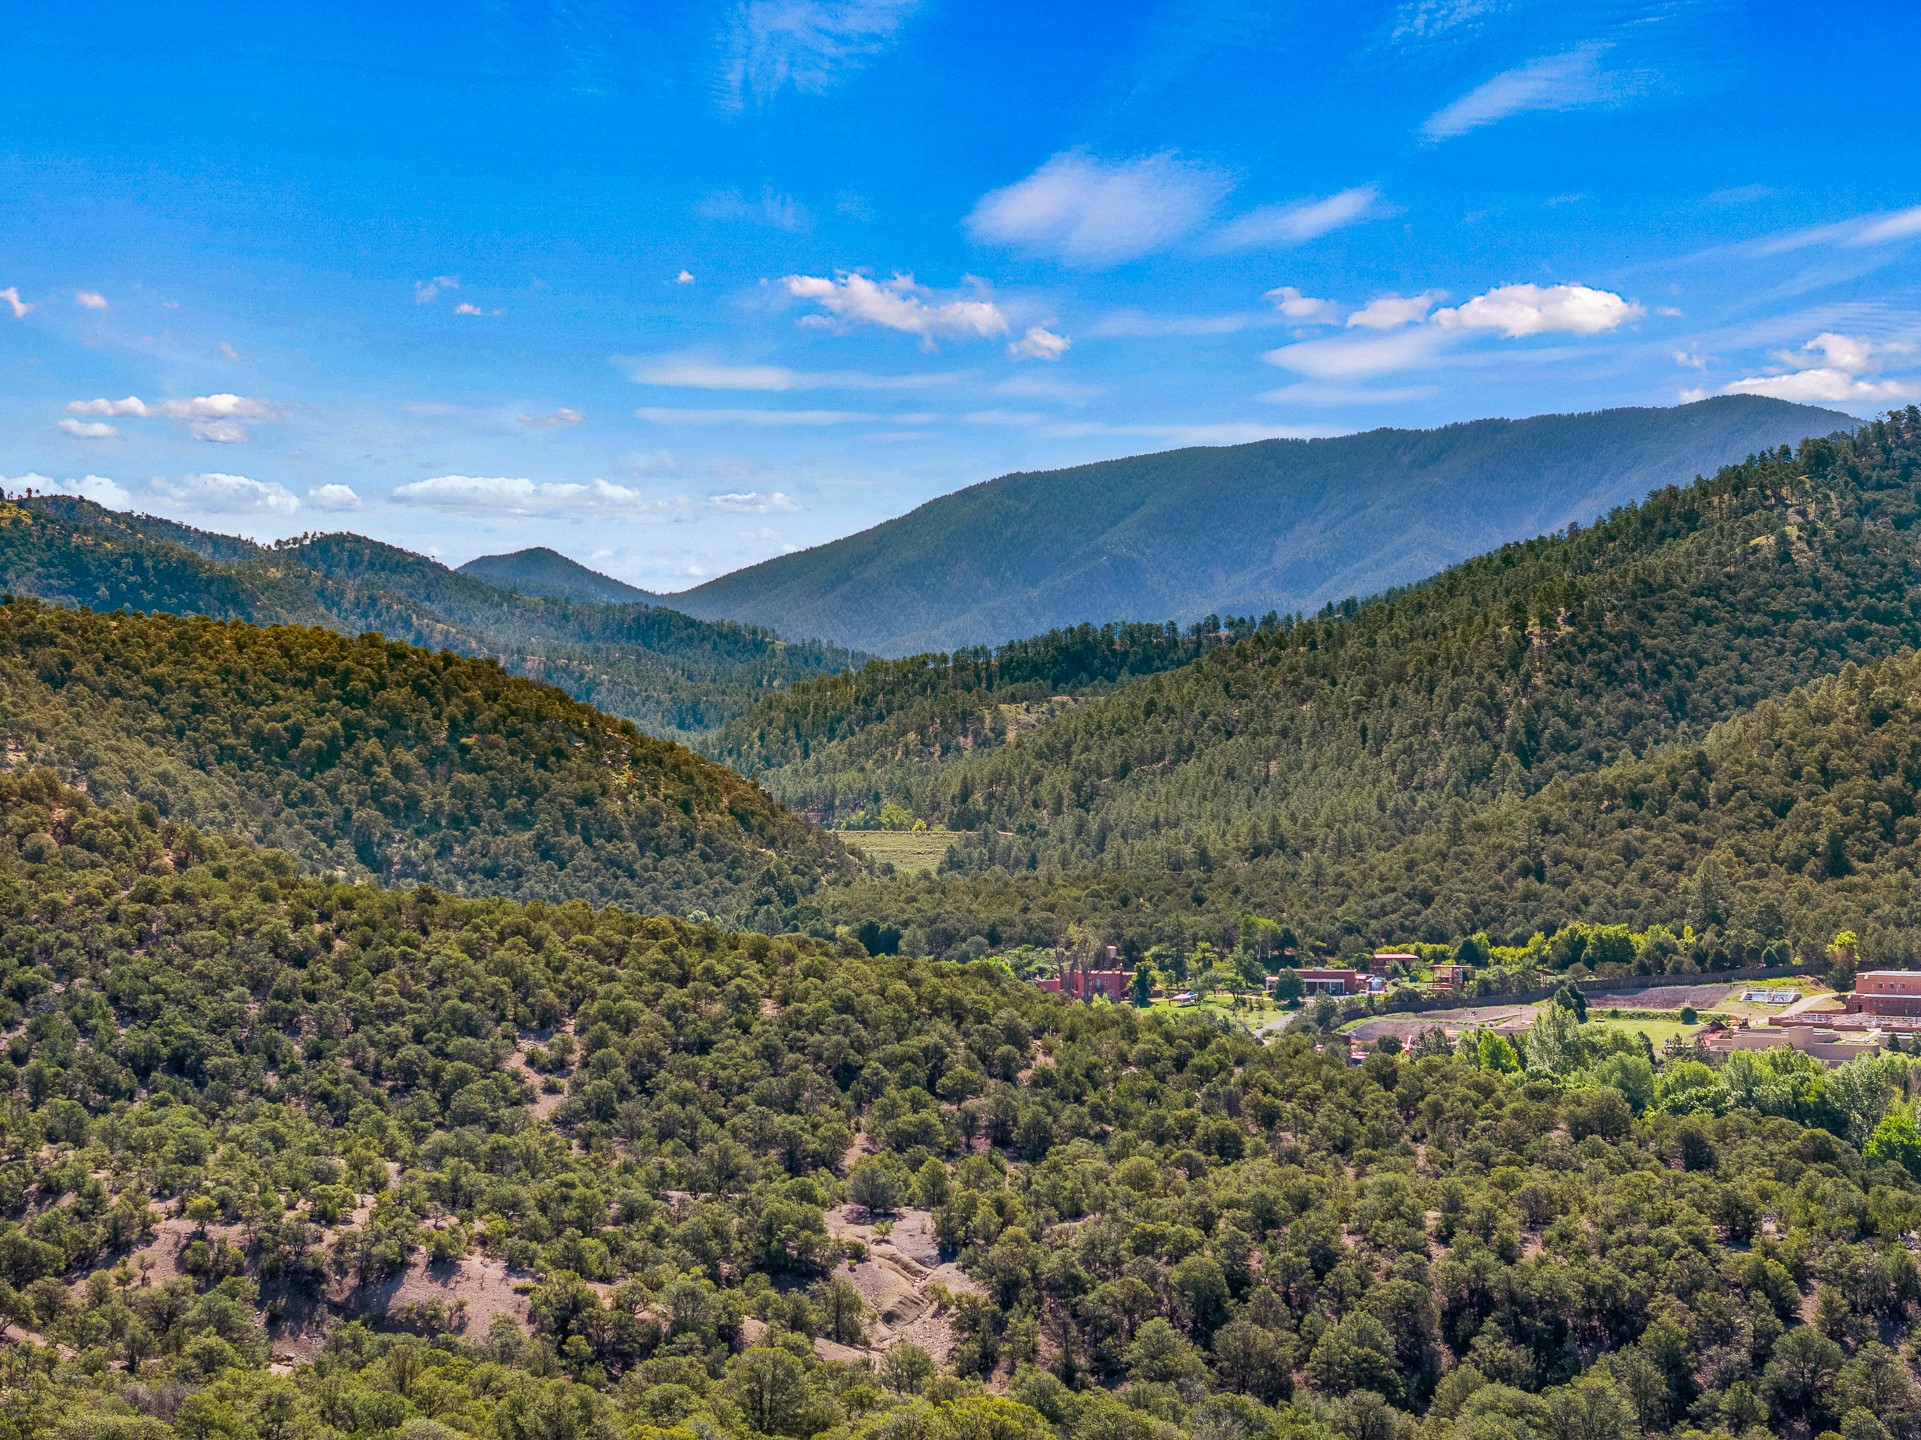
(1273, 525)
(541, 571)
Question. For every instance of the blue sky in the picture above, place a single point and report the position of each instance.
(675, 288)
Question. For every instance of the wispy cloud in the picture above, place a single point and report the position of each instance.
(18, 306)
(467, 307)
(1302, 220)
(1901, 225)
(427, 291)
(90, 300)
(1554, 82)
(562, 416)
(1092, 212)
(672, 415)
(755, 502)
(518, 495)
(1391, 312)
(695, 372)
(1041, 386)
(1345, 357)
(220, 494)
(1132, 324)
(898, 304)
(777, 212)
(808, 44)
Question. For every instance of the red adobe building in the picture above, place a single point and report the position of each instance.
(1081, 981)
(1895, 994)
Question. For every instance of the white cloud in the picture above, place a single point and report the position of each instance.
(695, 372)
(229, 351)
(1844, 374)
(220, 432)
(97, 488)
(1901, 225)
(897, 304)
(14, 303)
(517, 495)
(1039, 343)
(1341, 357)
(755, 502)
(1391, 312)
(1302, 309)
(467, 307)
(88, 429)
(1094, 212)
(200, 407)
(808, 44)
(1822, 384)
(1554, 82)
(777, 212)
(333, 497)
(206, 417)
(220, 494)
(1518, 310)
(1302, 220)
(665, 415)
(427, 291)
(562, 416)
(90, 300)
(1851, 353)
(686, 277)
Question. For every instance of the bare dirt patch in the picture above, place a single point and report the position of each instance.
(901, 1279)
(1474, 1017)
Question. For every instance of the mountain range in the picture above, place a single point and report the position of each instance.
(668, 673)
(1275, 525)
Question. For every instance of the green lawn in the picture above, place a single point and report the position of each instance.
(1659, 1032)
(1258, 1013)
(903, 849)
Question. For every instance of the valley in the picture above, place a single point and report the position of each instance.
(389, 1034)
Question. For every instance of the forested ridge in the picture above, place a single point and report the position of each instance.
(1327, 768)
(844, 745)
(1274, 524)
(239, 1103)
(670, 674)
(371, 757)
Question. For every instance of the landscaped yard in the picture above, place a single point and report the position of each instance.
(1659, 1032)
(903, 849)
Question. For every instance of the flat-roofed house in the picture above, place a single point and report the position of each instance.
(1893, 993)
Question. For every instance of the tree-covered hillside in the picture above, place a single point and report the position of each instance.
(668, 673)
(540, 571)
(282, 1156)
(843, 746)
(1279, 524)
(1279, 771)
(371, 757)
